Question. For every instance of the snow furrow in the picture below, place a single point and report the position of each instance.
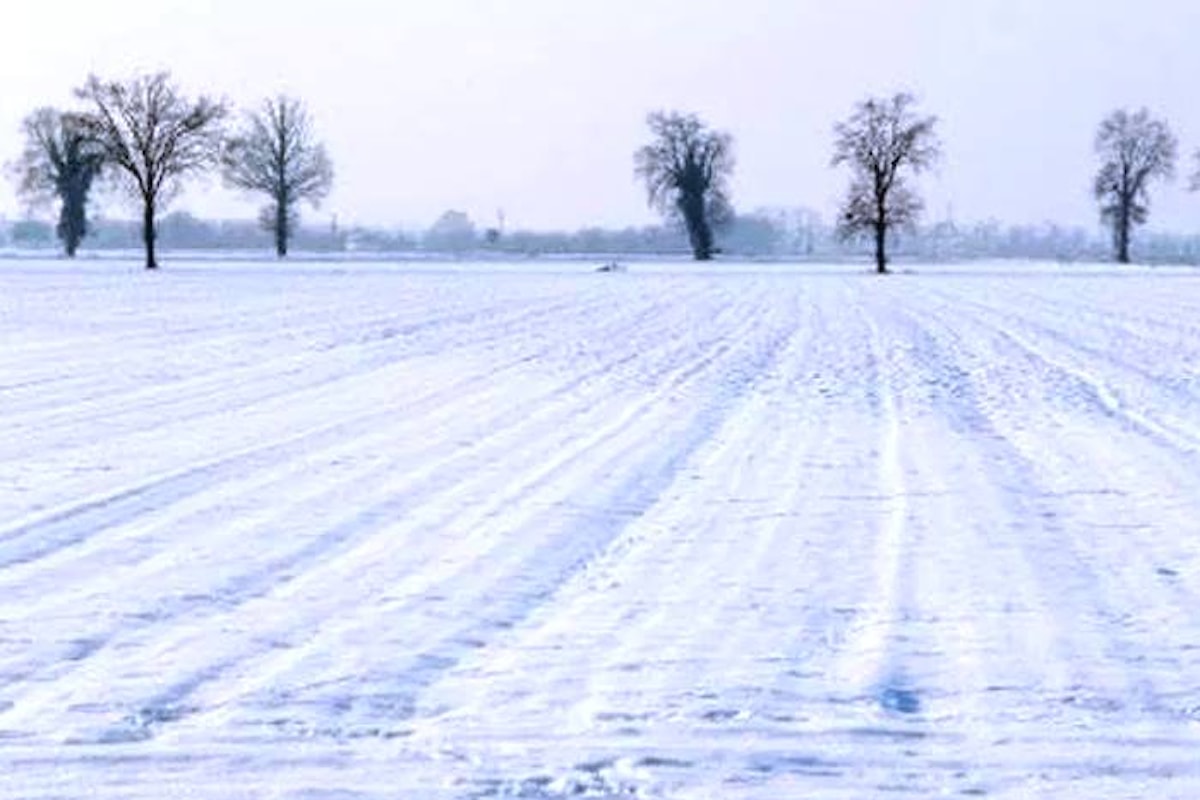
(736, 533)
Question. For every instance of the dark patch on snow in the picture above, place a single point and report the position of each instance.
(900, 700)
(80, 649)
(809, 766)
(721, 715)
(622, 716)
(665, 763)
(888, 733)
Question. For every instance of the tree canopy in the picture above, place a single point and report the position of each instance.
(154, 136)
(1134, 150)
(686, 169)
(276, 154)
(880, 141)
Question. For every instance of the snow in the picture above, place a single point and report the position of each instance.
(480, 530)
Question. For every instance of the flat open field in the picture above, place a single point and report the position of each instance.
(356, 531)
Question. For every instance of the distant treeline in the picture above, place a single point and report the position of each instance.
(142, 136)
(770, 234)
(178, 230)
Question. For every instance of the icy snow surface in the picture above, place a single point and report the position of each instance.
(358, 531)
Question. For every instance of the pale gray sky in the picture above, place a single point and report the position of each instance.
(535, 106)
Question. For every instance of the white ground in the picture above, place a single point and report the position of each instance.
(359, 532)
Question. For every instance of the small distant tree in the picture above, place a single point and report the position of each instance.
(453, 232)
(276, 154)
(1134, 149)
(60, 163)
(686, 170)
(154, 136)
(880, 141)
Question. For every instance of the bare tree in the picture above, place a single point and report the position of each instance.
(686, 170)
(155, 136)
(880, 141)
(1134, 149)
(59, 163)
(276, 154)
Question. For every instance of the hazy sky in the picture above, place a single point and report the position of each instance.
(536, 106)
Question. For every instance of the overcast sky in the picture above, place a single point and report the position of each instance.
(536, 106)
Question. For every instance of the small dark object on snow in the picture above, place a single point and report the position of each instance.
(904, 701)
(611, 266)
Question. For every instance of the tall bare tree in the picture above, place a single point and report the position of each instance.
(277, 154)
(880, 141)
(1134, 149)
(59, 163)
(686, 170)
(154, 136)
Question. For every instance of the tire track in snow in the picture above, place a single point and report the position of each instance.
(1097, 392)
(528, 576)
(192, 398)
(956, 657)
(1159, 321)
(87, 467)
(681, 667)
(687, 373)
(47, 533)
(249, 585)
(324, 438)
(638, 635)
(1141, 454)
(972, 535)
(71, 526)
(874, 665)
(1069, 595)
(1148, 455)
(94, 640)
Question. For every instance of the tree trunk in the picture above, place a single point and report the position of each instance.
(699, 231)
(701, 238)
(67, 232)
(148, 232)
(281, 229)
(1122, 234)
(69, 227)
(881, 248)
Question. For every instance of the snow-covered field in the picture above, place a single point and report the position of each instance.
(341, 531)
